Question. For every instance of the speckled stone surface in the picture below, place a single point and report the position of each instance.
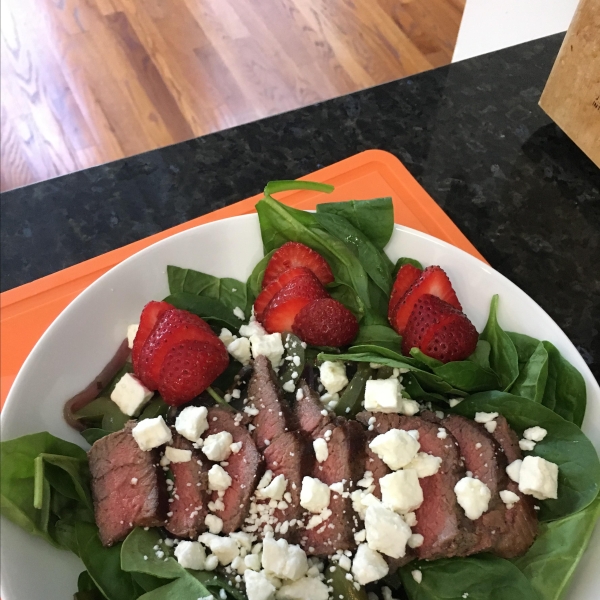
(471, 133)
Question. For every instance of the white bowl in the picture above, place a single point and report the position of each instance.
(86, 335)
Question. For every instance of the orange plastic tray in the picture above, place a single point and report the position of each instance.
(27, 311)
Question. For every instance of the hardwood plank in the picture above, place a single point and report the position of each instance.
(89, 81)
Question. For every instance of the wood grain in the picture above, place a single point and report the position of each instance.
(85, 82)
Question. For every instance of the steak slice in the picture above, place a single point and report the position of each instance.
(188, 503)
(264, 394)
(309, 412)
(484, 458)
(440, 520)
(128, 487)
(245, 468)
(345, 462)
(521, 520)
(374, 464)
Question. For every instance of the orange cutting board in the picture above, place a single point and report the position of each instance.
(27, 311)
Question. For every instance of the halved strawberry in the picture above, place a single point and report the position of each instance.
(290, 300)
(295, 254)
(175, 326)
(432, 281)
(406, 276)
(150, 315)
(189, 368)
(325, 322)
(439, 330)
(275, 286)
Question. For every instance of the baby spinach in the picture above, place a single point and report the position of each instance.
(230, 292)
(551, 562)
(468, 376)
(212, 311)
(405, 261)
(139, 544)
(432, 363)
(187, 587)
(254, 283)
(414, 390)
(348, 297)
(565, 390)
(335, 578)
(525, 346)
(294, 359)
(503, 355)
(352, 399)
(481, 355)
(93, 434)
(378, 335)
(374, 218)
(285, 185)
(374, 261)
(482, 577)
(531, 381)
(565, 445)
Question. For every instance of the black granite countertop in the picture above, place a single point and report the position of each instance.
(471, 133)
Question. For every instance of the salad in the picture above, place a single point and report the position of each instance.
(334, 427)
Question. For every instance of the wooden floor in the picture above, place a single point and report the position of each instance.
(90, 81)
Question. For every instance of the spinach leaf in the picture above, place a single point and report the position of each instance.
(551, 562)
(109, 389)
(335, 578)
(93, 434)
(294, 359)
(565, 445)
(139, 544)
(187, 587)
(67, 475)
(212, 311)
(230, 292)
(432, 363)
(86, 588)
(414, 390)
(95, 410)
(280, 223)
(524, 345)
(284, 185)
(378, 335)
(481, 577)
(348, 297)
(565, 390)
(18, 481)
(373, 349)
(503, 355)
(468, 376)
(374, 261)
(374, 218)
(254, 283)
(405, 261)
(481, 355)
(103, 564)
(531, 381)
(352, 400)
(155, 408)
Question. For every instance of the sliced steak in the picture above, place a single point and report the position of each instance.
(264, 394)
(189, 499)
(345, 463)
(440, 520)
(128, 487)
(245, 468)
(484, 458)
(521, 520)
(374, 464)
(309, 411)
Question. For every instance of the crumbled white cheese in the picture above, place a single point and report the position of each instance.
(383, 395)
(333, 376)
(538, 478)
(425, 464)
(526, 445)
(321, 451)
(509, 498)
(454, 402)
(191, 422)
(387, 531)
(258, 587)
(190, 555)
(289, 386)
(131, 333)
(483, 417)
(285, 561)
(491, 426)
(240, 350)
(273, 490)
(535, 434)
(252, 561)
(409, 407)
(396, 448)
(307, 588)
(217, 447)
(224, 548)
(253, 328)
(214, 524)
(175, 455)
(368, 565)
(442, 434)
(473, 496)
(416, 540)
(270, 346)
(314, 495)
(401, 491)
(410, 518)
(239, 313)
(151, 433)
(514, 469)
(417, 575)
(227, 337)
(218, 479)
(235, 447)
(130, 395)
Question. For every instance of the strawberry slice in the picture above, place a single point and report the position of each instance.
(150, 315)
(439, 330)
(189, 368)
(290, 300)
(406, 276)
(294, 254)
(325, 322)
(275, 286)
(432, 281)
(175, 326)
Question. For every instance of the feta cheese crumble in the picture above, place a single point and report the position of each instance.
(273, 490)
(258, 587)
(285, 561)
(383, 395)
(333, 376)
(190, 555)
(526, 445)
(307, 588)
(269, 345)
(368, 565)
(387, 532)
(509, 498)
(130, 395)
(425, 464)
(175, 455)
(131, 333)
(473, 496)
(321, 450)
(191, 422)
(538, 478)
(314, 495)
(396, 448)
(514, 469)
(417, 575)
(535, 434)
(483, 417)
(239, 313)
(214, 524)
(218, 479)
(151, 433)
(240, 350)
(217, 447)
(401, 491)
